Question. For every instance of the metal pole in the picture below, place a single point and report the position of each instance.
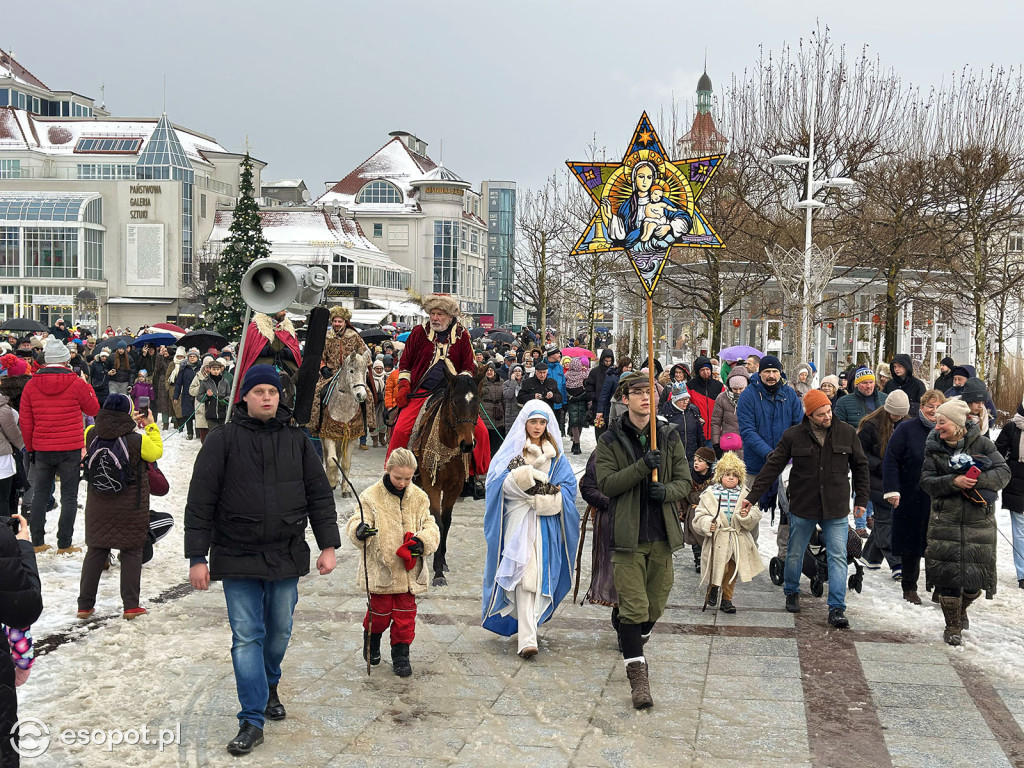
(238, 366)
(806, 323)
(650, 377)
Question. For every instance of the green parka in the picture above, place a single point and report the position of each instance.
(961, 551)
(623, 477)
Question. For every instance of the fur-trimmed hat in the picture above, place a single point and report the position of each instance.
(441, 301)
(343, 312)
(730, 464)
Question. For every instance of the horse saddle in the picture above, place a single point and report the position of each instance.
(425, 419)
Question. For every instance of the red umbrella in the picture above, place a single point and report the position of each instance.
(168, 327)
(577, 352)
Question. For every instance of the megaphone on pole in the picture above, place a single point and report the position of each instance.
(269, 286)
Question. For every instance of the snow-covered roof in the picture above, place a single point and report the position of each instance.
(20, 129)
(10, 68)
(394, 162)
(284, 183)
(291, 226)
(440, 173)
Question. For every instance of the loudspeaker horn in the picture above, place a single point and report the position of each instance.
(269, 286)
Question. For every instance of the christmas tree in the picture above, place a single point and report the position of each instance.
(242, 247)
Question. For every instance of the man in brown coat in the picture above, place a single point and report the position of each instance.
(823, 451)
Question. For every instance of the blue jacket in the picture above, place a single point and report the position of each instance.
(853, 407)
(611, 383)
(557, 372)
(763, 418)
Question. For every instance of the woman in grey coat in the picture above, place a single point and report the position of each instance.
(723, 417)
(511, 389)
(963, 473)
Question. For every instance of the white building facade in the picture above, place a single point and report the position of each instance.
(101, 217)
(423, 215)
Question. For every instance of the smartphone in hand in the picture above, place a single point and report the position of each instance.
(973, 473)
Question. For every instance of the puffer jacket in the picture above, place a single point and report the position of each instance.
(123, 367)
(21, 604)
(913, 386)
(510, 390)
(389, 389)
(121, 520)
(704, 392)
(253, 487)
(961, 552)
(1008, 444)
(724, 420)
(492, 398)
(595, 380)
(763, 418)
(393, 516)
(689, 425)
(10, 436)
(802, 387)
(51, 410)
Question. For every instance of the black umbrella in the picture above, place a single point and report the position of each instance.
(375, 335)
(23, 324)
(111, 343)
(476, 333)
(202, 339)
(503, 337)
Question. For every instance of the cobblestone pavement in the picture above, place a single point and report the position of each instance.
(761, 687)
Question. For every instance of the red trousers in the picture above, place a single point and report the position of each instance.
(407, 420)
(396, 611)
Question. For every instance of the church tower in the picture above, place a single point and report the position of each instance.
(703, 138)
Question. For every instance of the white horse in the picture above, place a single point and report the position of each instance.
(341, 415)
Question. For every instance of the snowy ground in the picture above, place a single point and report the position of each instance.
(118, 674)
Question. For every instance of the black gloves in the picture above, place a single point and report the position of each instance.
(657, 492)
(363, 531)
(416, 547)
(652, 459)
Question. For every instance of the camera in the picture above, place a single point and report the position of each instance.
(13, 523)
(143, 403)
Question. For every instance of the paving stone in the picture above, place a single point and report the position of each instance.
(930, 751)
(938, 721)
(762, 688)
(914, 674)
(752, 713)
(742, 743)
(754, 666)
(754, 646)
(902, 653)
(905, 696)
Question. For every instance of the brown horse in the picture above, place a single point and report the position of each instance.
(445, 454)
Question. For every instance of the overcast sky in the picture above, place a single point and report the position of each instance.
(512, 88)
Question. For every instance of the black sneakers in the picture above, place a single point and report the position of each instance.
(837, 618)
(793, 603)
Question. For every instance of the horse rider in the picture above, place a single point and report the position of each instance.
(440, 341)
(342, 341)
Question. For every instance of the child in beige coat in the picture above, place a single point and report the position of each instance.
(398, 532)
(730, 551)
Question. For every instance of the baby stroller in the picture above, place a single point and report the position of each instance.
(815, 565)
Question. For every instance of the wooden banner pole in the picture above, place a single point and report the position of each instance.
(650, 377)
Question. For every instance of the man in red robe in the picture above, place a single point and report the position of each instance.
(270, 340)
(429, 346)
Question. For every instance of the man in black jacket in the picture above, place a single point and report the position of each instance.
(902, 369)
(945, 379)
(540, 387)
(254, 484)
(21, 603)
(824, 450)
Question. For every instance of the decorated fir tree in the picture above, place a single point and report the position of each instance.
(242, 247)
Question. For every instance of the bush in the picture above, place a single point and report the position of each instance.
(1010, 390)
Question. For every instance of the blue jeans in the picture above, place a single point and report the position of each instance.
(861, 521)
(834, 534)
(260, 614)
(1017, 529)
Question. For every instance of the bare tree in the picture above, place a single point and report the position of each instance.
(538, 247)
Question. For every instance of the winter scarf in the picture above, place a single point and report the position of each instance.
(728, 499)
(575, 374)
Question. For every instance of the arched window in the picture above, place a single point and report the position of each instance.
(379, 192)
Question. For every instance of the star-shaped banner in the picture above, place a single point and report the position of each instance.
(647, 204)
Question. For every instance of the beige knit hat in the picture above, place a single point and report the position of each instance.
(955, 410)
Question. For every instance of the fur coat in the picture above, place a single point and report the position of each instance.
(731, 540)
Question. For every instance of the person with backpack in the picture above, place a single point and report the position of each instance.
(117, 499)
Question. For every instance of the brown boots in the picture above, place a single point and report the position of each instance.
(951, 608)
(639, 685)
(965, 601)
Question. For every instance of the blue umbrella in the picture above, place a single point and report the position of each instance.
(156, 339)
(738, 353)
(403, 336)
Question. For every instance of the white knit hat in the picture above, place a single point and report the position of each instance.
(54, 351)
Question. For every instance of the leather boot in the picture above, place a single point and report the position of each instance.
(400, 659)
(965, 601)
(371, 647)
(951, 607)
(479, 488)
(249, 737)
(275, 709)
(639, 685)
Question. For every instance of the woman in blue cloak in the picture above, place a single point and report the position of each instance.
(532, 528)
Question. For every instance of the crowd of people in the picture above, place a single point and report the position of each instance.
(696, 461)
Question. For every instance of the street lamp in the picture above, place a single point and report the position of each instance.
(809, 204)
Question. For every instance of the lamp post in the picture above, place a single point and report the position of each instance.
(809, 204)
